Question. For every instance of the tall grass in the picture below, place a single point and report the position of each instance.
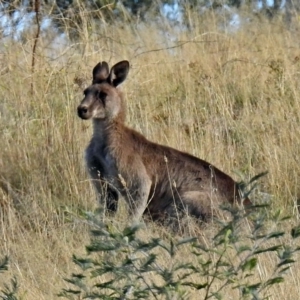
(230, 98)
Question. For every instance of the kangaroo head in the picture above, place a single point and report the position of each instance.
(102, 100)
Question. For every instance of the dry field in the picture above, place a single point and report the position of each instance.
(231, 98)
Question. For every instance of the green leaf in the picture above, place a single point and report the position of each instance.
(276, 234)
(146, 246)
(256, 177)
(9, 291)
(78, 276)
(4, 264)
(150, 260)
(285, 261)
(131, 230)
(106, 284)
(201, 247)
(285, 218)
(164, 246)
(196, 286)
(205, 263)
(284, 269)
(274, 248)
(98, 246)
(186, 266)
(172, 249)
(70, 291)
(99, 232)
(250, 287)
(249, 264)
(217, 296)
(242, 249)
(274, 281)
(227, 235)
(295, 232)
(83, 263)
(186, 241)
(277, 215)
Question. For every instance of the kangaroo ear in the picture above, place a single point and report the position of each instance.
(100, 72)
(118, 73)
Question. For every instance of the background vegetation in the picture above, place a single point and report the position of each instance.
(225, 93)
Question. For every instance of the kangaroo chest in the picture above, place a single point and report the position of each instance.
(100, 162)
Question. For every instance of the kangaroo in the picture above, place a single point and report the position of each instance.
(153, 178)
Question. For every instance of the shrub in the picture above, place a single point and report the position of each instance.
(9, 291)
(121, 265)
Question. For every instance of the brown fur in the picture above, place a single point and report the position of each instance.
(153, 178)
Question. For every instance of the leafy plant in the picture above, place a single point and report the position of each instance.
(121, 265)
(9, 291)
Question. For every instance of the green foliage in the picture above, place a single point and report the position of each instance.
(121, 265)
(246, 188)
(8, 292)
(4, 264)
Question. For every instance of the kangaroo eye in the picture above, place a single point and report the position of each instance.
(102, 95)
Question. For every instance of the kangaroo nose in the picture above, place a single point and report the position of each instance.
(82, 111)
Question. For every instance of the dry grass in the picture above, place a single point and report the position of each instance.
(229, 98)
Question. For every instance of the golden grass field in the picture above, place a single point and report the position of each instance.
(231, 98)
